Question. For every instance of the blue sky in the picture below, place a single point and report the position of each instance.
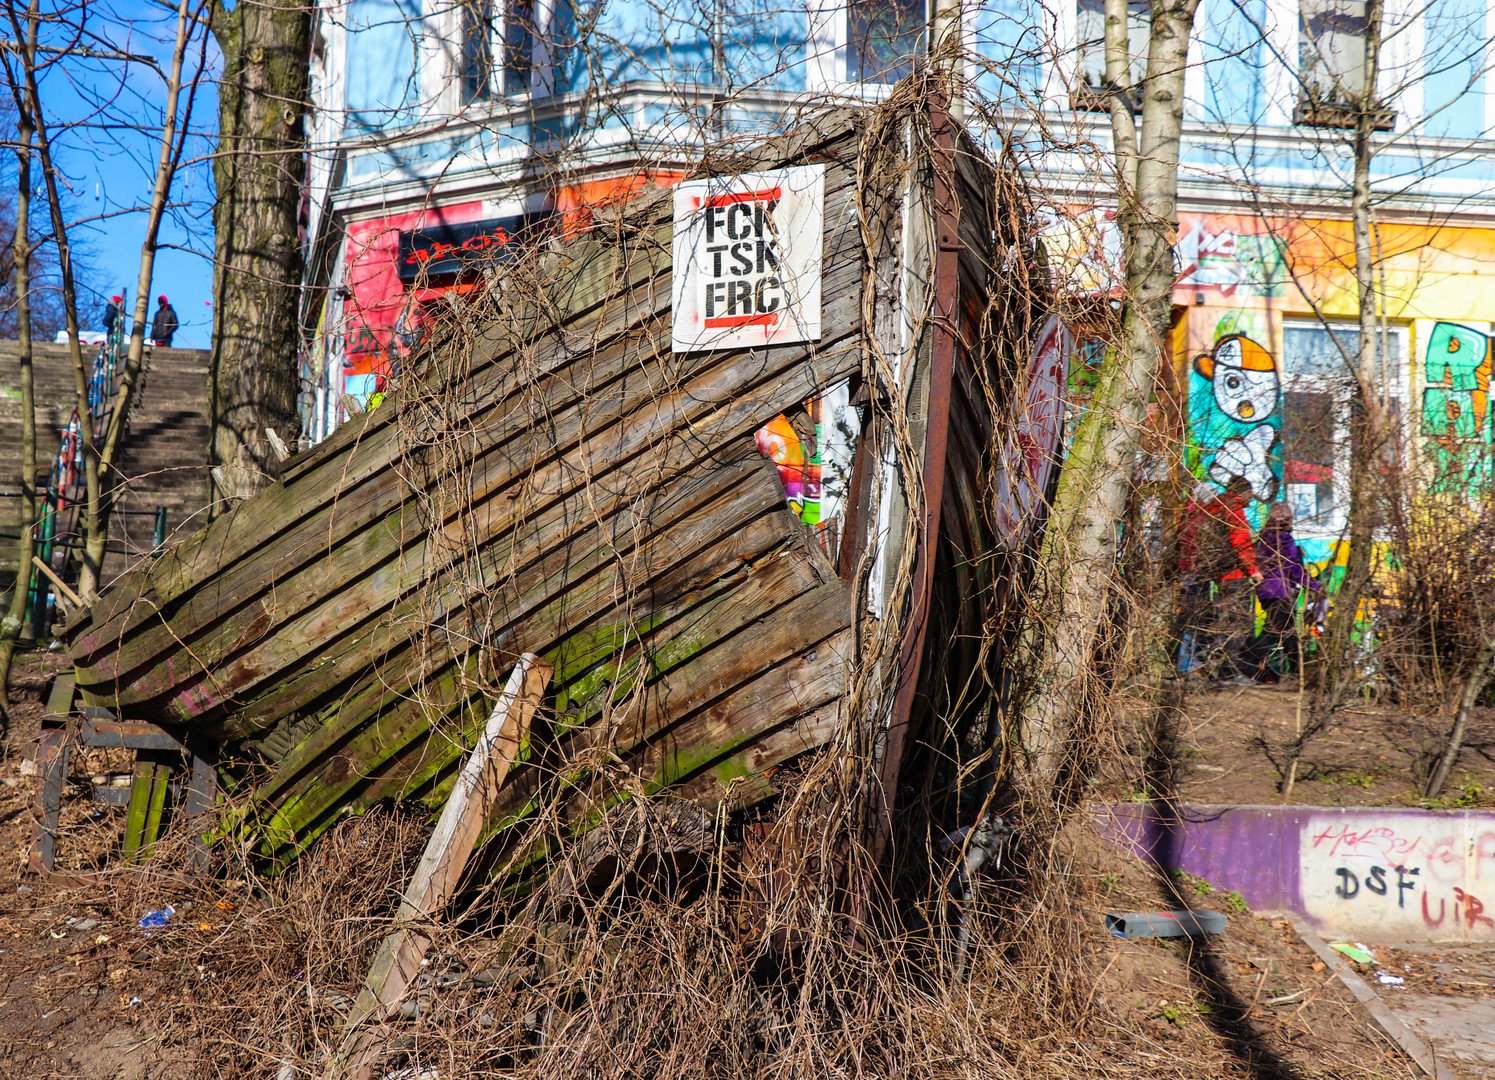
(106, 118)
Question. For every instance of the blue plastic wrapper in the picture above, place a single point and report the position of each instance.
(156, 919)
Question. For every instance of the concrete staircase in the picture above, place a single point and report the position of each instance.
(165, 449)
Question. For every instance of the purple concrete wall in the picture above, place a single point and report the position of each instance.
(1384, 874)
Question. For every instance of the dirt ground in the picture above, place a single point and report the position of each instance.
(86, 993)
(1368, 755)
(1255, 1000)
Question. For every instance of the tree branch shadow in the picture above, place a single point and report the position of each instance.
(1225, 1012)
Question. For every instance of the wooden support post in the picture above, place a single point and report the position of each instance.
(201, 798)
(156, 749)
(51, 773)
(140, 802)
(60, 700)
(161, 780)
(441, 867)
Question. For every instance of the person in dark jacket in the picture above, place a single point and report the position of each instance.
(112, 312)
(164, 325)
(1284, 577)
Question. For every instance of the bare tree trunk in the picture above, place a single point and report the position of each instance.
(1367, 417)
(15, 615)
(31, 100)
(1080, 545)
(167, 160)
(1119, 96)
(254, 372)
(1475, 686)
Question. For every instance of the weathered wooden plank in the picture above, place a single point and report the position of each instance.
(325, 736)
(810, 683)
(599, 701)
(380, 748)
(566, 589)
(778, 668)
(731, 548)
(742, 775)
(664, 416)
(441, 866)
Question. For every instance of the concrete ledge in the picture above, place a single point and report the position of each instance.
(1388, 1021)
(1376, 873)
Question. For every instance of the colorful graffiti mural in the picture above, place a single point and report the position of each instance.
(1456, 406)
(1236, 255)
(1385, 874)
(1235, 420)
(798, 472)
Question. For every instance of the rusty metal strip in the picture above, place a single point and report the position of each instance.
(937, 428)
(127, 734)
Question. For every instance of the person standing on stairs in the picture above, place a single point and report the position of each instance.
(165, 324)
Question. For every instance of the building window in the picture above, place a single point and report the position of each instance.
(883, 38)
(477, 49)
(1317, 385)
(1090, 27)
(1331, 65)
(519, 46)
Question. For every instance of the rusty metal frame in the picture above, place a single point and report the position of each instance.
(944, 327)
(60, 730)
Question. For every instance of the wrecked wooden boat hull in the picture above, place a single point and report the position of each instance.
(551, 478)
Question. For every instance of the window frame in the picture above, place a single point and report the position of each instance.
(497, 88)
(852, 51)
(1341, 393)
(1085, 97)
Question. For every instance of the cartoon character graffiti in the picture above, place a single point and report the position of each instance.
(1234, 414)
(1456, 403)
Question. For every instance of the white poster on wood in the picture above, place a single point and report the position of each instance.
(1030, 453)
(747, 259)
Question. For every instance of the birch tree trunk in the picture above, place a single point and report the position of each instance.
(1119, 96)
(15, 615)
(1081, 541)
(1367, 416)
(254, 374)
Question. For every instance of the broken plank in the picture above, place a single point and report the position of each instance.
(440, 870)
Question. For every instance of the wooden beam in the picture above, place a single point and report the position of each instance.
(68, 594)
(441, 867)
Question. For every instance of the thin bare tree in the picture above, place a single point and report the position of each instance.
(22, 250)
(100, 448)
(1081, 542)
